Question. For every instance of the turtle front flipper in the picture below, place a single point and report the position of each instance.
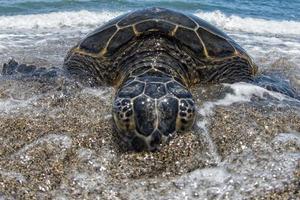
(13, 68)
(275, 84)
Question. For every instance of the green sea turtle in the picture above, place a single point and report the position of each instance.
(153, 57)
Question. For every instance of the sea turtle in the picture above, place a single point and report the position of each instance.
(153, 57)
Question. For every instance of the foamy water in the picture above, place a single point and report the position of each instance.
(251, 25)
(88, 18)
(57, 20)
(260, 37)
(241, 92)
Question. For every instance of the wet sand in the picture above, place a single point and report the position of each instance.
(57, 141)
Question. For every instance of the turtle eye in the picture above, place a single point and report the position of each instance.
(123, 114)
(186, 114)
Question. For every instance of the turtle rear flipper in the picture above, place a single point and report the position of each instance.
(276, 84)
(13, 68)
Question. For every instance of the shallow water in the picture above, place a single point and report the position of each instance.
(57, 142)
(57, 139)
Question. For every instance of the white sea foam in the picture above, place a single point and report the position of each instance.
(103, 93)
(285, 138)
(13, 175)
(241, 176)
(242, 92)
(63, 141)
(251, 25)
(89, 18)
(56, 20)
(11, 105)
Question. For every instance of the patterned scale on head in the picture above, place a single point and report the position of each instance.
(149, 109)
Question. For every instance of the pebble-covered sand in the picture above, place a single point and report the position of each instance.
(57, 142)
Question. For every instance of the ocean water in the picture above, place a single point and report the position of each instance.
(41, 32)
(268, 30)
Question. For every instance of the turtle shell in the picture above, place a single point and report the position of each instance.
(203, 39)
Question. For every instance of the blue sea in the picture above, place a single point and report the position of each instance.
(45, 29)
(271, 9)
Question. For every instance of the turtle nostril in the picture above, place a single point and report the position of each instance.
(156, 139)
(182, 114)
(129, 113)
(184, 121)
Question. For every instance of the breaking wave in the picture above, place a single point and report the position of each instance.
(92, 18)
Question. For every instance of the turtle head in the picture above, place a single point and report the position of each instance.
(148, 111)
